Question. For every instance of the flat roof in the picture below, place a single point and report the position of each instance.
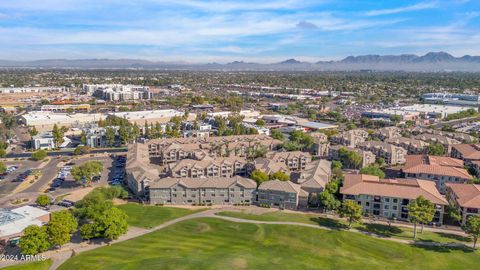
(16, 220)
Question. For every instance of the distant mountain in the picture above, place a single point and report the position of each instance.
(430, 62)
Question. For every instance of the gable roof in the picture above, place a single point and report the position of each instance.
(357, 184)
(216, 182)
(468, 195)
(435, 165)
(283, 186)
(468, 151)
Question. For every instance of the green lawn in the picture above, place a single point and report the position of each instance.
(150, 216)
(384, 230)
(210, 243)
(41, 265)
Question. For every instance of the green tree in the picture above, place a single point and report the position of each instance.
(328, 200)
(33, 131)
(83, 138)
(373, 170)
(43, 200)
(81, 150)
(61, 227)
(280, 176)
(260, 122)
(124, 133)
(3, 167)
(276, 134)
(135, 132)
(58, 134)
(472, 228)
(420, 211)
(34, 240)
(110, 136)
(39, 155)
(85, 172)
(3, 152)
(113, 223)
(259, 176)
(436, 149)
(351, 210)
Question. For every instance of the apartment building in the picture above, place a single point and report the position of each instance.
(413, 146)
(387, 133)
(268, 166)
(389, 198)
(139, 171)
(392, 154)
(118, 92)
(441, 170)
(295, 160)
(350, 138)
(282, 194)
(462, 137)
(315, 176)
(466, 152)
(320, 144)
(367, 156)
(216, 191)
(208, 167)
(443, 140)
(465, 198)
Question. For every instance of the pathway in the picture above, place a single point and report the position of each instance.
(60, 256)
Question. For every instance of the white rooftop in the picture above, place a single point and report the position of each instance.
(16, 220)
(154, 114)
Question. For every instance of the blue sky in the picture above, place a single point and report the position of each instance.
(224, 31)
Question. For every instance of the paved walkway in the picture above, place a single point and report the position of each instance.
(60, 256)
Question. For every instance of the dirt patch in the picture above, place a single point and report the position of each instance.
(77, 195)
(239, 263)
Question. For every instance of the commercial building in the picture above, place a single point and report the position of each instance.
(118, 92)
(465, 198)
(389, 198)
(414, 112)
(16, 90)
(440, 170)
(64, 108)
(13, 222)
(282, 194)
(153, 116)
(44, 140)
(452, 99)
(217, 191)
(43, 121)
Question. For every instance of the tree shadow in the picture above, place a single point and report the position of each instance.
(330, 223)
(380, 229)
(454, 236)
(444, 248)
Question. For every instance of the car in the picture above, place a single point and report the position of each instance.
(66, 203)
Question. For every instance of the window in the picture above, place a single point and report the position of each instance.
(385, 206)
(395, 200)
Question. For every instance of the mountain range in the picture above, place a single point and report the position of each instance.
(430, 62)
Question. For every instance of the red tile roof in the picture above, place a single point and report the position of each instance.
(436, 166)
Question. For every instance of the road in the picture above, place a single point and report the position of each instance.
(68, 152)
(454, 122)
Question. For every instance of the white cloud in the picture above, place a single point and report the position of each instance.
(419, 6)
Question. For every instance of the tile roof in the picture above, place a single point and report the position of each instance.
(357, 184)
(435, 165)
(468, 151)
(284, 186)
(217, 182)
(468, 195)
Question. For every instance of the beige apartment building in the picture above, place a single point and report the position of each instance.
(208, 167)
(413, 146)
(462, 137)
(387, 133)
(443, 140)
(367, 156)
(392, 154)
(138, 169)
(282, 194)
(441, 170)
(295, 160)
(350, 138)
(320, 144)
(389, 198)
(314, 177)
(465, 198)
(216, 191)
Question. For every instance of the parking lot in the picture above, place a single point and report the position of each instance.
(10, 180)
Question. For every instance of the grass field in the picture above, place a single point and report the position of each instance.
(210, 243)
(150, 216)
(384, 230)
(41, 265)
